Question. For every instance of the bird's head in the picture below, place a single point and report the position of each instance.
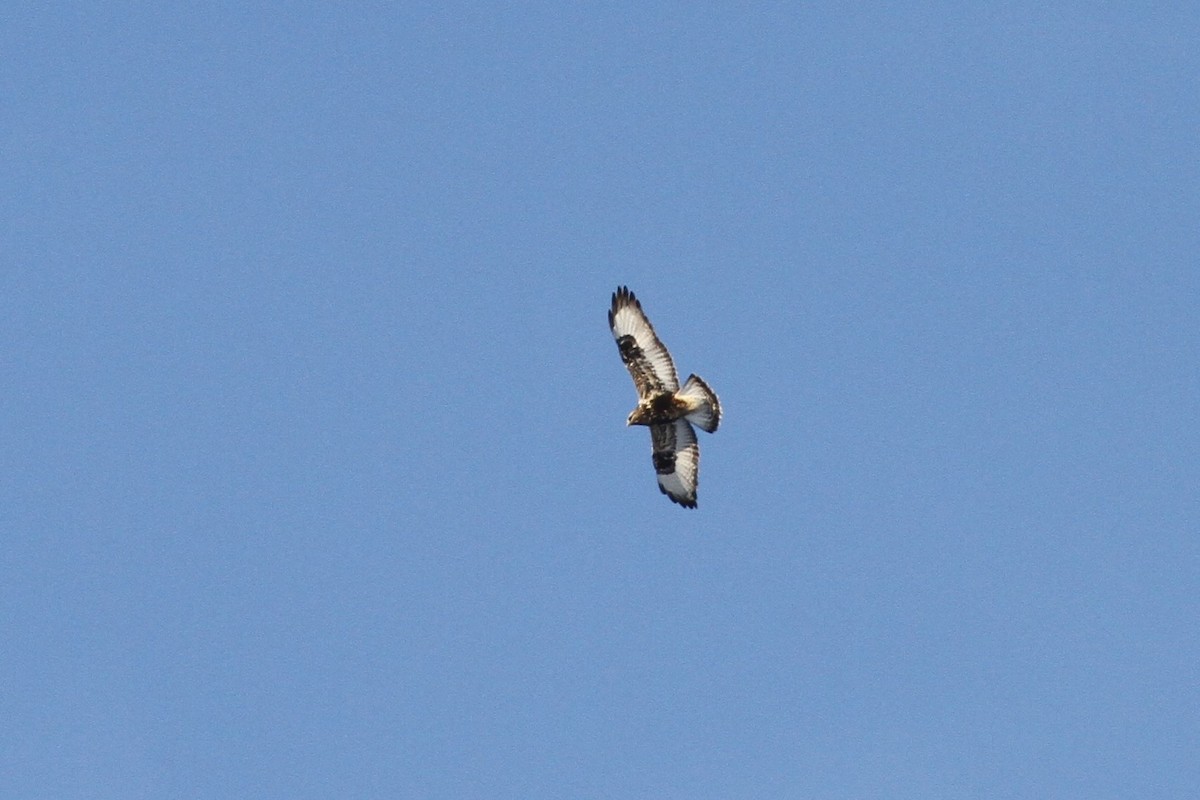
(637, 417)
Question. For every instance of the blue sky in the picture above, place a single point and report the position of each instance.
(317, 482)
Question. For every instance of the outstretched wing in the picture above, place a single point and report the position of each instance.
(644, 355)
(677, 461)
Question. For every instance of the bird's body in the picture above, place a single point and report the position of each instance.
(663, 406)
(659, 409)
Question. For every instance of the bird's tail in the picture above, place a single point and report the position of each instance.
(705, 410)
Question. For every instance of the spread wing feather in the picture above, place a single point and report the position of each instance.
(676, 461)
(644, 355)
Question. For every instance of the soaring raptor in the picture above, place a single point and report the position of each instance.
(666, 409)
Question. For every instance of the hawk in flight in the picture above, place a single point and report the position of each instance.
(666, 409)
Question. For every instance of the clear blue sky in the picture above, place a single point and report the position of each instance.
(316, 480)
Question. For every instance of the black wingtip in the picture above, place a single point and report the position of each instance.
(676, 500)
(620, 298)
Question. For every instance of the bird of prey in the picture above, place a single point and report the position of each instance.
(666, 409)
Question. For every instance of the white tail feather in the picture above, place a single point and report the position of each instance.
(706, 408)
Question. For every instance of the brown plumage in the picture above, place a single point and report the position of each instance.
(663, 406)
